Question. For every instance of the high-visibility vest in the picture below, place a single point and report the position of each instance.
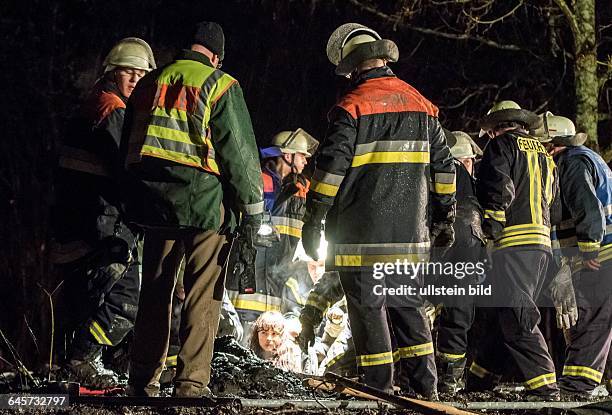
(172, 115)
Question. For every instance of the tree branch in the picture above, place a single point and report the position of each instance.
(571, 18)
(499, 19)
(457, 36)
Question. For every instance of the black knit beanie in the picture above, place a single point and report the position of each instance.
(210, 35)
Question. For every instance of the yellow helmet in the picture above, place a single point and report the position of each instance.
(130, 52)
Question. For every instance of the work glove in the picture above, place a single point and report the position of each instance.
(431, 312)
(257, 230)
(307, 335)
(442, 235)
(313, 225)
(491, 228)
(563, 297)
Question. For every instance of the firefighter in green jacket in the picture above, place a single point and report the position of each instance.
(188, 140)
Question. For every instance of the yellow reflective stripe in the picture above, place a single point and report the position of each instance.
(588, 246)
(498, 215)
(172, 113)
(171, 134)
(525, 229)
(539, 381)
(450, 356)
(523, 240)
(318, 302)
(605, 253)
(335, 360)
(288, 230)
(479, 371)
(535, 187)
(369, 260)
(391, 157)
(295, 290)
(171, 155)
(583, 371)
(322, 176)
(416, 351)
(96, 330)
(171, 361)
(324, 188)
(444, 188)
(255, 305)
(377, 359)
(550, 168)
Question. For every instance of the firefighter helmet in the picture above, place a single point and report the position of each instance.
(353, 43)
(463, 146)
(509, 111)
(291, 142)
(130, 52)
(558, 130)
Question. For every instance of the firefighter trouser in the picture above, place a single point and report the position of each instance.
(104, 302)
(205, 253)
(387, 330)
(590, 338)
(517, 278)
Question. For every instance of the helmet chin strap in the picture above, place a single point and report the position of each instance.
(292, 164)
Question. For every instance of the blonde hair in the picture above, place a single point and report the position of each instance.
(288, 355)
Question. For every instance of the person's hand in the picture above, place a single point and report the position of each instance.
(311, 239)
(306, 337)
(591, 264)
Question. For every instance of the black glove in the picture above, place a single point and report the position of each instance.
(313, 225)
(491, 228)
(307, 336)
(258, 230)
(442, 235)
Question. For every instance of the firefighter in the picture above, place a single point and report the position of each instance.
(285, 189)
(585, 237)
(371, 186)
(189, 142)
(94, 248)
(516, 185)
(457, 314)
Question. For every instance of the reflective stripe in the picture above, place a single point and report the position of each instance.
(283, 220)
(548, 188)
(583, 371)
(539, 381)
(369, 260)
(383, 358)
(317, 301)
(322, 176)
(608, 210)
(257, 302)
(498, 215)
(96, 330)
(450, 356)
(535, 187)
(287, 230)
(324, 188)
(390, 157)
(444, 183)
(356, 255)
(416, 351)
(253, 208)
(479, 371)
(177, 156)
(335, 360)
(295, 290)
(171, 361)
(525, 229)
(588, 246)
(524, 240)
(401, 146)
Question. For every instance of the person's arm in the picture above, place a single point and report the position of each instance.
(443, 177)
(495, 189)
(236, 150)
(586, 210)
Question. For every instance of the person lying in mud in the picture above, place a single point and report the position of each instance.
(271, 340)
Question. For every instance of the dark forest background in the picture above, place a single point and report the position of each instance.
(463, 55)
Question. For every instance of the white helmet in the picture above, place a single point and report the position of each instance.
(463, 146)
(558, 130)
(298, 141)
(130, 52)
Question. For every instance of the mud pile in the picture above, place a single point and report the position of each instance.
(236, 371)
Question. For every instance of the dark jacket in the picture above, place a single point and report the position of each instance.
(517, 183)
(384, 150)
(586, 192)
